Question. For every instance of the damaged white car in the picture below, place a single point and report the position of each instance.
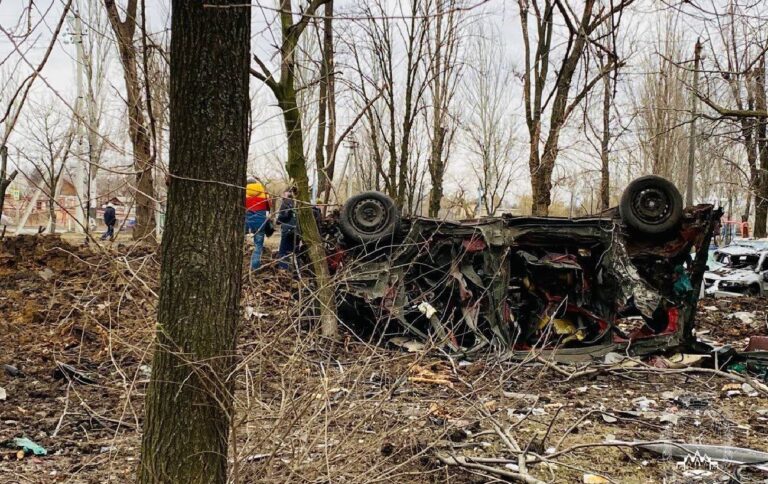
(737, 270)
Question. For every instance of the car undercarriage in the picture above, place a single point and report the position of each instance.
(578, 287)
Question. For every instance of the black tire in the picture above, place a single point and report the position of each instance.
(651, 205)
(369, 217)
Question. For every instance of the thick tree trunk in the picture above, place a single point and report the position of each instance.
(189, 399)
(541, 178)
(436, 168)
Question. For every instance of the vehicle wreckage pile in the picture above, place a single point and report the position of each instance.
(627, 280)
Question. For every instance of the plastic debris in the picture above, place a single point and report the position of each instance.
(743, 316)
(3, 394)
(681, 360)
(644, 403)
(693, 401)
(427, 309)
(28, 446)
(748, 390)
(609, 418)
(737, 367)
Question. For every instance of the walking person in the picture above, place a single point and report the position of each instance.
(110, 219)
(286, 217)
(257, 208)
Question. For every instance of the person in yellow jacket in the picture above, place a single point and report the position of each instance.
(257, 208)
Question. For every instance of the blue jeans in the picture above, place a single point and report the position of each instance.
(254, 223)
(287, 246)
(109, 233)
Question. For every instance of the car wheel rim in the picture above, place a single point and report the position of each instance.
(652, 205)
(369, 216)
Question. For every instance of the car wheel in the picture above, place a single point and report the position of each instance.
(369, 217)
(753, 290)
(651, 205)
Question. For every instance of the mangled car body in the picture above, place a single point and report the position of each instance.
(628, 278)
(737, 270)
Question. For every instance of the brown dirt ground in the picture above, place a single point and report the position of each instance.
(310, 410)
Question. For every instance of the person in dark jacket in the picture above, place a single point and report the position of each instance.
(110, 219)
(286, 217)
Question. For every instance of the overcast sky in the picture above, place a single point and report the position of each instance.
(58, 78)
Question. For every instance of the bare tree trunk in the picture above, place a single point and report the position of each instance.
(137, 126)
(437, 169)
(284, 91)
(310, 235)
(605, 139)
(761, 191)
(690, 182)
(327, 109)
(189, 399)
(52, 212)
(5, 181)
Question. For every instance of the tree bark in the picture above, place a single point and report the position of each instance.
(5, 181)
(296, 164)
(51, 213)
(137, 126)
(690, 182)
(761, 192)
(189, 399)
(605, 139)
(326, 110)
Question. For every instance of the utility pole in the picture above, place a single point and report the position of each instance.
(694, 113)
(85, 111)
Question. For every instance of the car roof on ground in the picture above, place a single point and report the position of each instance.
(738, 249)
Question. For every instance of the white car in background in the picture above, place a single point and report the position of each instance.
(738, 270)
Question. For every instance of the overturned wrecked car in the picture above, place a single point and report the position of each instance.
(627, 280)
(737, 270)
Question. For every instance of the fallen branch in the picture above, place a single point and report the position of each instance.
(459, 461)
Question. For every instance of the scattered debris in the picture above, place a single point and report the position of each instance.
(643, 403)
(11, 370)
(69, 372)
(45, 274)
(251, 313)
(3, 394)
(757, 343)
(670, 418)
(406, 343)
(744, 317)
(437, 374)
(594, 479)
(28, 446)
(693, 401)
(607, 418)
